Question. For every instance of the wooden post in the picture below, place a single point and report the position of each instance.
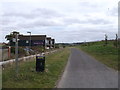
(106, 39)
(116, 40)
(9, 52)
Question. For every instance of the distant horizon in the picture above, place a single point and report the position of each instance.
(75, 42)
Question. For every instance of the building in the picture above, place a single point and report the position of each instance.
(52, 43)
(48, 42)
(35, 40)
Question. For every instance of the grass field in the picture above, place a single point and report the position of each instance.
(105, 54)
(29, 78)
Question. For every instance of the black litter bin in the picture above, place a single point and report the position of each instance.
(40, 63)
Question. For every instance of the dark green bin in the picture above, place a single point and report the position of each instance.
(40, 63)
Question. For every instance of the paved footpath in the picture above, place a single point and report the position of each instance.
(83, 71)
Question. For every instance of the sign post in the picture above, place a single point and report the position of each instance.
(16, 51)
(9, 52)
(29, 42)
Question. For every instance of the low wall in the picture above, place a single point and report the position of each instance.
(25, 58)
(3, 54)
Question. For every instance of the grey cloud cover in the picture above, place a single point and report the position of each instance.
(39, 12)
(77, 20)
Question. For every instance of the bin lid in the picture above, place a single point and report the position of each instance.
(39, 57)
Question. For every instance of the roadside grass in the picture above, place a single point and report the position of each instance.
(108, 55)
(29, 78)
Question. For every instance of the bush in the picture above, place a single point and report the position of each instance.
(21, 51)
(13, 50)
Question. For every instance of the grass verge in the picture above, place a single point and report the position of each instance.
(108, 55)
(29, 78)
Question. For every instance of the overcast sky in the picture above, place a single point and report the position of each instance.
(65, 20)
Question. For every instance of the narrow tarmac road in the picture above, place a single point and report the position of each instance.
(83, 71)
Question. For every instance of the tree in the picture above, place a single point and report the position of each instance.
(116, 41)
(11, 36)
(106, 37)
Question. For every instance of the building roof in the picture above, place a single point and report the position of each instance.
(53, 39)
(33, 37)
(48, 38)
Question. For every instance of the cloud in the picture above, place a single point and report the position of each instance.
(47, 13)
(35, 18)
(37, 23)
(89, 4)
(114, 11)
(5, 21)
(72, 20)
(66, 20)
(39, 12)
(98, 21)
